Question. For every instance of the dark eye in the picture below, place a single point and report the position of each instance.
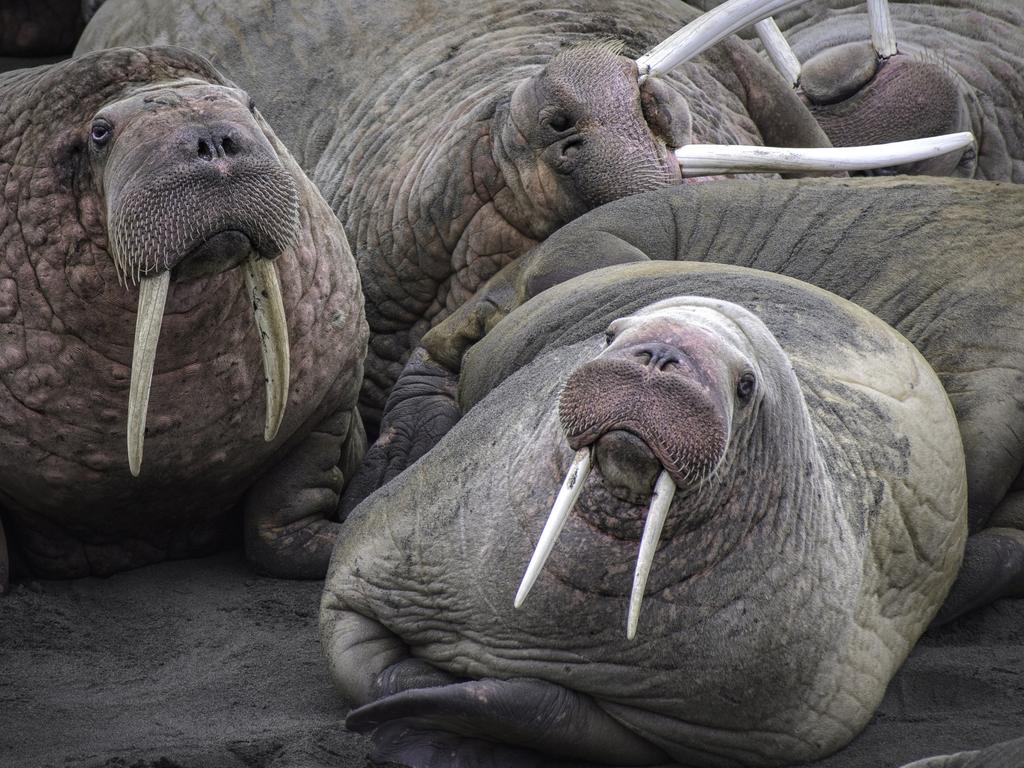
(745, 387)
(558, 121)
(609, 337)
(101, 132)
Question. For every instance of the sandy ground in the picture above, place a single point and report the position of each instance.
(202, 663)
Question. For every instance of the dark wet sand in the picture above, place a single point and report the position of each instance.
(202, 663)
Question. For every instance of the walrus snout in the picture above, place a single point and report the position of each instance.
(662, 393)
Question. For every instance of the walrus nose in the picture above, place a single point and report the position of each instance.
(657, 355)
(222, 141)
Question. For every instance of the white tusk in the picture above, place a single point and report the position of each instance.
(268, 311)
(567, 495)
(712, 159)
(778, 50)
(883, 36)
(707, 30)
(149, 317)
(661, 500)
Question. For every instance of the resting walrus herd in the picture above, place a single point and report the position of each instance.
(603, 467)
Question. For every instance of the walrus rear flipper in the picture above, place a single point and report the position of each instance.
(420, 727)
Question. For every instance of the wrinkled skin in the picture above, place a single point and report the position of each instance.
(452, 136)
(212, 186)
(937, 260)
(959, 67)
(790, 581)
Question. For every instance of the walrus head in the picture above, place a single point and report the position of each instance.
(582, 132)
(675, 395)
(174, 178)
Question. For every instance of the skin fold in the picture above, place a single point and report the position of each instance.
(937, 260)
(959, 67)
(790, 580)
(81, 141)
(451, 137)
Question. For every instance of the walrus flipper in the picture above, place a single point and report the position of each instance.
(408, 726)
(420, 410)
(289, 513)
(993, 568)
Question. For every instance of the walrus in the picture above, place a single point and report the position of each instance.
(171, 282)
(939, 260)
(809, 486)
(916, 68)
(452, 136)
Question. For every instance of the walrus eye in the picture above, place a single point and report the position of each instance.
(745, 387)
(101, 132)
(609, 337)
(557, 120)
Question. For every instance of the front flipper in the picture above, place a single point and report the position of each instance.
(993, 568)
(421, 408)
(522, 713)
(289, 512)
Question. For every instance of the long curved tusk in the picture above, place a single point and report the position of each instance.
(661, 500)
(707, 30)
(883, 36)
(149, 318)
(268, 312)
(778, 50)
(711, 159)
(567, 495)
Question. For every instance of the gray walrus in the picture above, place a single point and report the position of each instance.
(135, 181)
(451, 136)
(938, 260)
(817, 520)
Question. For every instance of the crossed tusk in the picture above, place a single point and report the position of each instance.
(778, 50)
(883, 36)
(707, 30)
(711, 159)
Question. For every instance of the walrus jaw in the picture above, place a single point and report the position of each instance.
(264, 289)
(661, 500)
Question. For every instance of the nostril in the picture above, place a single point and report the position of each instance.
(657, 356)
(230, 147)
(205, 150)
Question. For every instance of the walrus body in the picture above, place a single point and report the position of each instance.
(139, 166)
(452, 136)
(791, 579)
(938, 260)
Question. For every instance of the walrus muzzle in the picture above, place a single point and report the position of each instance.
(155, 227)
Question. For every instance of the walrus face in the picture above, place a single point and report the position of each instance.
(670, 381)
(674, 395)
(190, 181)
(582, 132)
(193, 187)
